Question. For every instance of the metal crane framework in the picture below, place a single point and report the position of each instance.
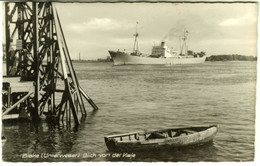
(36, 51)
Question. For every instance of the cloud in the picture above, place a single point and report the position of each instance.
(100, 24)
(105, 24)
(248, 18)
(216, 28)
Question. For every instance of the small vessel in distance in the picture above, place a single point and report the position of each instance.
(161, 139)
(160, 54)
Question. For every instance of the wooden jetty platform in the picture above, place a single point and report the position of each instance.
(13, 107)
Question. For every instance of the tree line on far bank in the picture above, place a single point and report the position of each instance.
(233, 57)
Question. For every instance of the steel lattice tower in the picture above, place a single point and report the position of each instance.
(41, 55)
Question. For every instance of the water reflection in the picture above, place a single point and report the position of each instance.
(92, 114)
(151, 97)
(205, 152)
(36, 138)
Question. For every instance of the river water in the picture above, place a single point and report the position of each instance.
(139, 97)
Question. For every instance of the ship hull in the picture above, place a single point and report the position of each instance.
(123, 58)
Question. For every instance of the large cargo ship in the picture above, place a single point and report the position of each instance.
(160, 55)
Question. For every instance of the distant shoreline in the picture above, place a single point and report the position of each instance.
(218, 58)
(233, 57)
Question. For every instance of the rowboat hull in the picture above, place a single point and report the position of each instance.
(141, 141)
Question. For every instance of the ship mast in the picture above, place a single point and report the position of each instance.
(184, 43)
(136, 43)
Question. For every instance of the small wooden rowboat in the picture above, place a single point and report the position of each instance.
(161, 139)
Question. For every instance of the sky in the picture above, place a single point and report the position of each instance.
(91, 29)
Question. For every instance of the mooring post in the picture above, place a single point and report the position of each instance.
(7, 38)
(52, 105)
(36, 61)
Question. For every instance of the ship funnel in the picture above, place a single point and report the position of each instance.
(162, 43)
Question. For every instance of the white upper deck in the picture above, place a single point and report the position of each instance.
(163, 51)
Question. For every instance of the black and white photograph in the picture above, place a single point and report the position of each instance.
(129, 81)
